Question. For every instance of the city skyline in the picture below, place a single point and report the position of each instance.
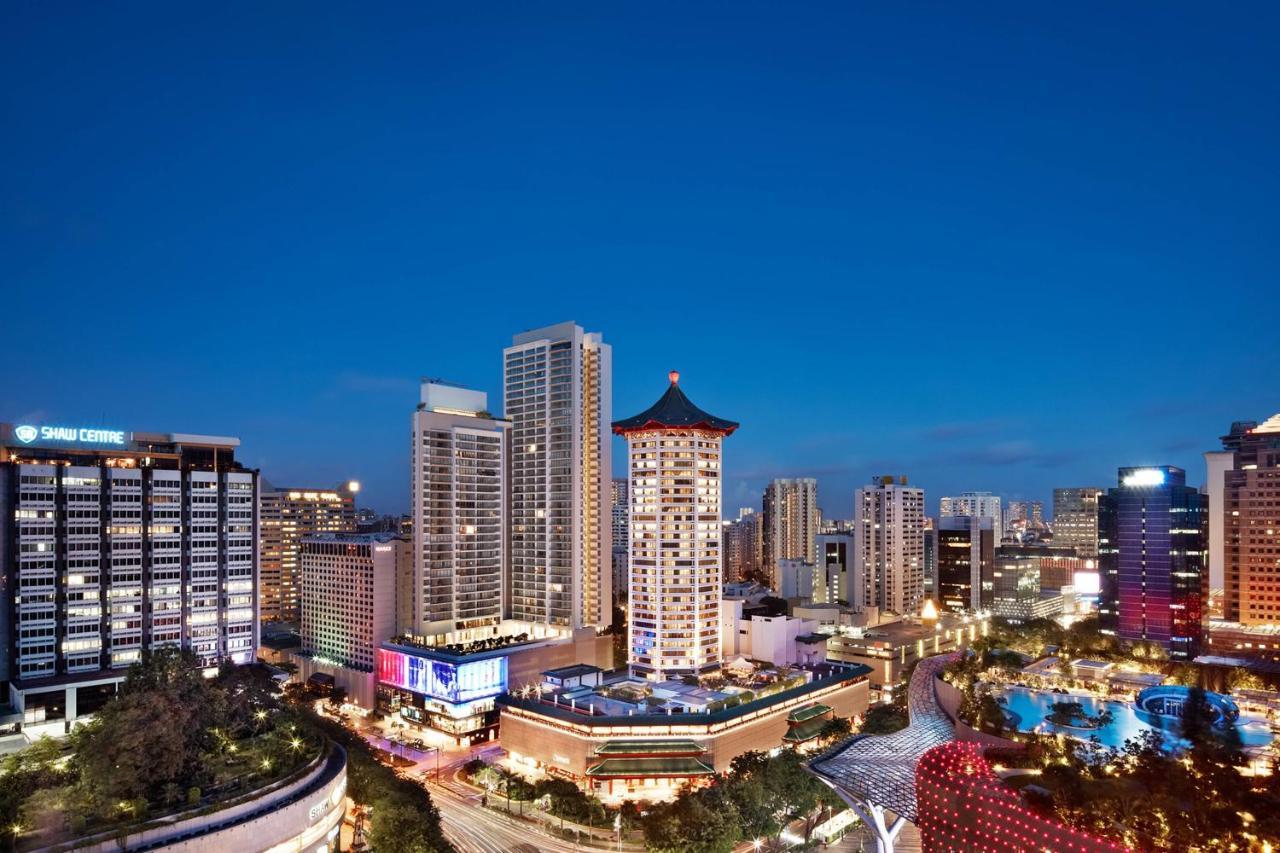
(814, 185)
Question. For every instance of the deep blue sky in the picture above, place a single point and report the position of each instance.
(1001, 248)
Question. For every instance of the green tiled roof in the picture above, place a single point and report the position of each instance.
(639, 767)
(801, 714)
(806, 731)
(650, 747)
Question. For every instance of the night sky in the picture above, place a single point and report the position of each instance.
(1001, 248)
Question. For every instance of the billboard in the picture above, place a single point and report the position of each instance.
(437, 679)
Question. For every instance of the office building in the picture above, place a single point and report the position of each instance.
(965, 561)
(931, 557)
(1249, 519)
(458, 489)
(791, 518)
(557, 391)
(674, 449)
(285, 516)
(840, 584)
(1028, 581)
(1153, 530)
(1075, 519)
(349, 587)
(975, 504)
(889, 558)
(113, 543)
(744, 546)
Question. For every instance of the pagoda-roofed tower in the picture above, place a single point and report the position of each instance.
(674, 454)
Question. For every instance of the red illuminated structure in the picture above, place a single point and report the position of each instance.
(963, 805)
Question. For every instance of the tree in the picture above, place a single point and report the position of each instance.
(835, 728)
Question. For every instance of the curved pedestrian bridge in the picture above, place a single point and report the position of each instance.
(881, 769)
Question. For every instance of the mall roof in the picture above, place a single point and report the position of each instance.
(573, 670)
(640, 767)
(674, 410)
(650, 747)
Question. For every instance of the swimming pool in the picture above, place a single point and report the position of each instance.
(1032, 706)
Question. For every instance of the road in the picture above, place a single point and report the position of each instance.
(468, 825)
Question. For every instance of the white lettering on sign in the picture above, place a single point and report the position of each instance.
(75, 435)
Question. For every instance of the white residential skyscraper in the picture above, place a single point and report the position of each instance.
(459, 513)
(888, 522)
(557, 393)
(674, 452)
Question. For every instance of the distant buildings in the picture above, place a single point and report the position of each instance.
(975, 504)
(889, 555)
(965, 561)
(458, 489)
(743, 546)
(620, 509)
(112, 543)
(1035, 581)
(1153, 530)
(674, 449)
(835, 563)
(285, 515)
(557, 393)
(791, 518)
(1075, 519)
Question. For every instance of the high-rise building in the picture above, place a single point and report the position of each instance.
(965, 561)
(349, 586)
(835, 563)
(112, 543)
(557, 394)
(620, 504)
(790, 521)
(1250, 522)
(1075, 519)
(674, 449)
(285, 516)
(979, 504)
(458, 489)
(889, 525)
(931, 557)
(1217, 464)
(1153, 530)
(743, 546)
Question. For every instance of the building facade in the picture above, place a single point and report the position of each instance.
(1075, 519)
(286, 515)
(791, 519)
(1250, 524)
(744, 546)
(889, 525)
(1153, 530)
(459, 491)
(620, 515)
(349, 585)
(965, 561)
(674, 450)
(557, 393)
(976, 504)
(1028, 580)
(835, 562)
(113, 543)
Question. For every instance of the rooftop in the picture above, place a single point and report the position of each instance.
(674, 410)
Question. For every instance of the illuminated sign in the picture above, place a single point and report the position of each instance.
(437, 679)
(1144, 477)
(1087, 583)
(69, 435)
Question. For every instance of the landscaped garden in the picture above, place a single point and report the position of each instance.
(171, 741)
